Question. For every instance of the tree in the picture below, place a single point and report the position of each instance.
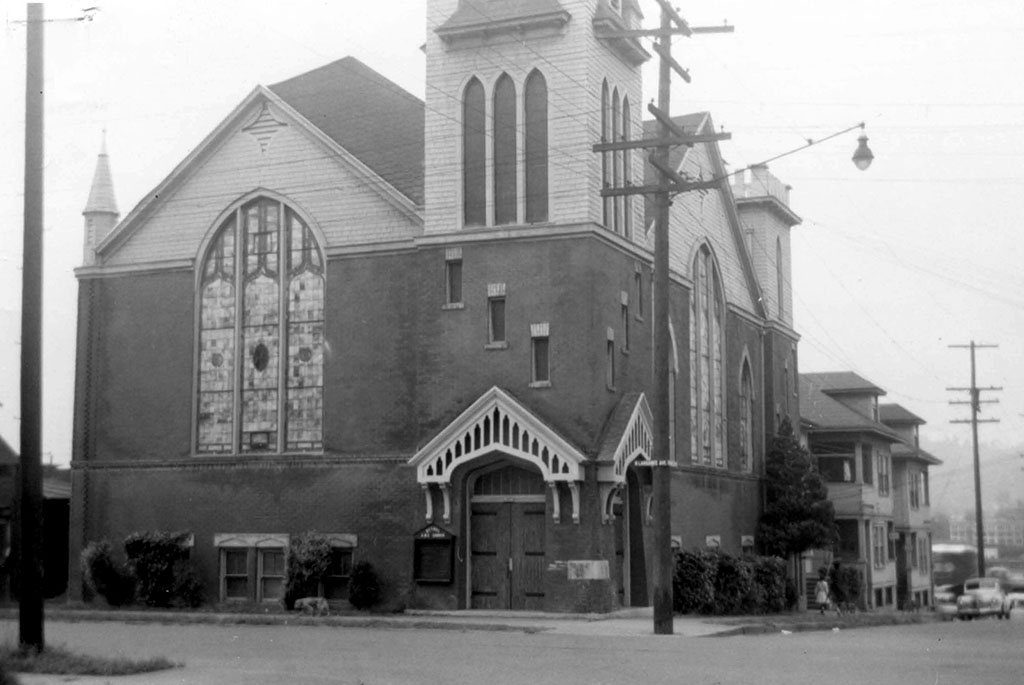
(798, 515)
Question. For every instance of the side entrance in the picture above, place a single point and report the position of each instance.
(506, 539)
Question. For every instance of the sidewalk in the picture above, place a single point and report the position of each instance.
(626, 622)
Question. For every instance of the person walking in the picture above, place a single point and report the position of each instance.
(821, 592)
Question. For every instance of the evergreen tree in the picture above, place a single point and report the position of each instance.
(798, 514)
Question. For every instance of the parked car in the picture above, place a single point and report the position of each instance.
(945, 600)
(981, 597)
(1014, 589)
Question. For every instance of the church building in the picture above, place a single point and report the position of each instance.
(418, 328)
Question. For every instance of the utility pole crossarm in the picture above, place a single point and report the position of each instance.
(646, 143)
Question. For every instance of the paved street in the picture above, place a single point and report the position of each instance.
(977, 652)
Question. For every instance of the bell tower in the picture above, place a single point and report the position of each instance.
(518, 93)
(101, 209)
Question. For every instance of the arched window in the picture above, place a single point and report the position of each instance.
(474, 153)
(261, 335)
(536, 148)
(505, 196)
(606, 171)
(707, 405)
(780, 281)
(616, 161)
(746, 418)
(627, 173)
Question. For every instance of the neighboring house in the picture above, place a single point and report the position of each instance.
(912, 506)
(8, 489)
(853, 450)
(418, 328)
(56, 500)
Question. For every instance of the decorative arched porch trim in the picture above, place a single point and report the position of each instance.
(496, 422)
(629, 438)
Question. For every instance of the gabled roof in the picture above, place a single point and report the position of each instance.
(381, 101)
(700, 122)
(498, 422)
(842, 382)
(366, 114)
(823, 413)
(479, 15)
(904, 450)
(898, 414)
(7, 453)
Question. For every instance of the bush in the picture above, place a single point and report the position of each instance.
(309, 557)
(165, 576)
(693, 584)
(770, 577)
(104, 576)
(719, 583)
(363, 586)
(733, 585)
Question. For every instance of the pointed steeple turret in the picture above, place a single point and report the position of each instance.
(101, 210)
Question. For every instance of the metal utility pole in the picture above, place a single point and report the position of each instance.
(976, 403)
(669, 136)
(30, 586)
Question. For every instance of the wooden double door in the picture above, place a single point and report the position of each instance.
(507, 559)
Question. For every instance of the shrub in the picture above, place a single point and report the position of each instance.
(719, 583)
(104, 576)
(309, 557)
(165, 576)
(770, 577)
(733, 585)
(363, 586)
(693, 583)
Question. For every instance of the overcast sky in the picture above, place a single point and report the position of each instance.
(891, 266)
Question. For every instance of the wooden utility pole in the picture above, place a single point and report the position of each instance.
(669, 135)
(976, 403)
(30, 585)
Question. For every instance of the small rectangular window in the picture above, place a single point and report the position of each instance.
(541, 364)
(610, 365)
(625, 328)
(235, 573)
(867, 464)
(496, 319)
(638, 286)
(271, 574)
(338, 573)
(453, 281)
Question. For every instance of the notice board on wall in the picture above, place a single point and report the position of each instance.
(433, 555)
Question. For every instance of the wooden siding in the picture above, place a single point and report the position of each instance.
(699, 216)
(334, 197)
(574, 65)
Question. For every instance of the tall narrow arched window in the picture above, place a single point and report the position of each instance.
(261, 333)
(780, 281)
(707, 400)
(536, 147)
(474, 155)
(746, 418)
(606, 169)
(505, 177)
(627, 171)
(616, 161)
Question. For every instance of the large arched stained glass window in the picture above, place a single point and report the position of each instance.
(707, 401)
(606, 167)
(627, 171)
(261, 334)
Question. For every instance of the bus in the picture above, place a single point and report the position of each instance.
(953, 563)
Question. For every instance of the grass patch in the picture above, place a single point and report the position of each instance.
(58, 660)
